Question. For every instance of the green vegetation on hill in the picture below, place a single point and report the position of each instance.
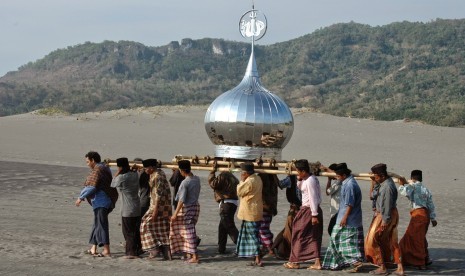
(397, 71)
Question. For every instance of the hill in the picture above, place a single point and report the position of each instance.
(397, 71)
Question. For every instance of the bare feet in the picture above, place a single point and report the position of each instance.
(290, 265)
(314, 267)
(152, 254)
(192, 261)
(379, 272)
(90, 252)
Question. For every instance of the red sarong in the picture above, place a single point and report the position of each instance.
(413, 245)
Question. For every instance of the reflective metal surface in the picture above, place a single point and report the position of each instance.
(249, 121)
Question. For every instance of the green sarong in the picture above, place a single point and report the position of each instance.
(345, 248)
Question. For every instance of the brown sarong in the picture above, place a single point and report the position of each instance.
(282, 242)
(382, 247)
(413, 245)
(306, 238)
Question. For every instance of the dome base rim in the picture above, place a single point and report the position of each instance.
(248, 153)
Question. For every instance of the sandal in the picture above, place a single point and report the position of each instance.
(290, 265)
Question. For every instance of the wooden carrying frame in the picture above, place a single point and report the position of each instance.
(269, 166)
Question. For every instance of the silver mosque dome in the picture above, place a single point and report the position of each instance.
(248, 121)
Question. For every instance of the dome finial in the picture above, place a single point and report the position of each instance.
(253, 24)
(248, 121)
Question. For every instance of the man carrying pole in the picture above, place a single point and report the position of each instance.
(413, 245)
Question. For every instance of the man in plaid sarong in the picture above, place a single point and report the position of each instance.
(345, 248)
(266, 236)
(250, 212)
(155, 226)
(183, 235)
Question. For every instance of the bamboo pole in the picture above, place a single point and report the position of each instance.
(206, 160)
(258, 169)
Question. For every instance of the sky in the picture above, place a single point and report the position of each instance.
(31, 29)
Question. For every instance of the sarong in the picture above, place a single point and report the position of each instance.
(306, 238)
(154, 233)
(248, 242)
(282, 242)
(382, 247)
(266, 237)
(413, 245)
(131, 235)
(345, 247)
(183, 236)
(100, 234)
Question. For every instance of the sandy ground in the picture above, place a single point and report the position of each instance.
(42, 168)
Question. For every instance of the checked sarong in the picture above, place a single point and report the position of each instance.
(248, 242)
(345, 247)
(183, 237)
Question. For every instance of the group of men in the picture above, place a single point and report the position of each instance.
(166, 229)
(149, 223)
(348, 248)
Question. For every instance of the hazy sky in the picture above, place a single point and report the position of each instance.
(30, 29)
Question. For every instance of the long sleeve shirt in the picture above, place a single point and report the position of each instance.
(249, 192)
(224, 186)
(100, 191)
(311, 194)
(128, 185)
(419, 197)
(387, 199)
(98, 198)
